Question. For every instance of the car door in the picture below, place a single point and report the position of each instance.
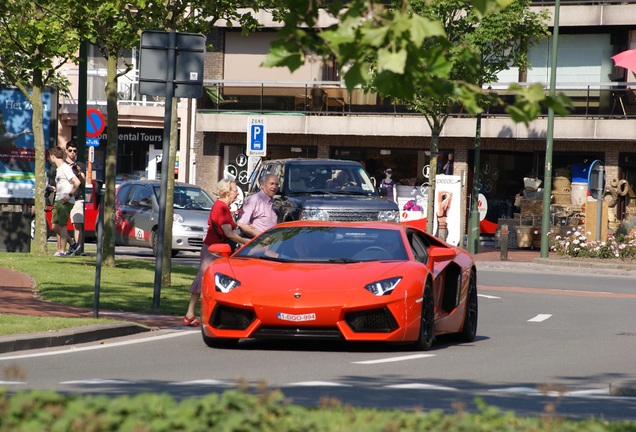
(136, 215)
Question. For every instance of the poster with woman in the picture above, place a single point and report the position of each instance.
(446, 223)
(17, 146)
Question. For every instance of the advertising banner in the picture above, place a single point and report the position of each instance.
(448, 196)
(17, 146)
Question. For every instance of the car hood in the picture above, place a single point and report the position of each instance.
(193, 217)
(340, 201)
(265, 282)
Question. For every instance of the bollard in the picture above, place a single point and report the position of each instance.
(504, 243)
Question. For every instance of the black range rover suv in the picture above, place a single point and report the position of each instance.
(324, 189)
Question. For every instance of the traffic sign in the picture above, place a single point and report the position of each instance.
(92, 142)
(256, 137)
(95, 123)
(596, 179)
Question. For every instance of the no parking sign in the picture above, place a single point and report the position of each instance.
(95, 125)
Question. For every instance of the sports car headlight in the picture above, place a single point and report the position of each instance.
(224, 284)
(314, 214)
(383, 287)
(389, 216)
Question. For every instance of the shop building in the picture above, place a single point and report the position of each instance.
(309, 114)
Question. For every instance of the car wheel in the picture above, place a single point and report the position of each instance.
(216, 342)
(469, 331)
(153, 243)
(426, 337)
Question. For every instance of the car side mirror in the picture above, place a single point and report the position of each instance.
(441, 253)
(222, 249)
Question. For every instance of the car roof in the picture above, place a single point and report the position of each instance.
(157, 183)
(304, 161)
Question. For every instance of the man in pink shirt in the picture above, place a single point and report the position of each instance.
(258, 213)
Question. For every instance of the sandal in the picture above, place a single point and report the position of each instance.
(191, 322)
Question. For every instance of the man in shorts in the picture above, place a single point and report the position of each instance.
(66, 184)
(77, 214)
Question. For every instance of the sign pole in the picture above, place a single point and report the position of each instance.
(165, 154)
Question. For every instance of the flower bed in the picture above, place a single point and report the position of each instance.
(577, 244)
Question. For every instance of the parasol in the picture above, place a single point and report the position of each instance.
(626, 59)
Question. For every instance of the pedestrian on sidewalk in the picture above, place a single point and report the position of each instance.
(77, 213)
(66, 184)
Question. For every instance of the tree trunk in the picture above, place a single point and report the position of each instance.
(111, 162)
(41, 180)
(166, 269)
(430, 209)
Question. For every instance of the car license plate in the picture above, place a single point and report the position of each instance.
(297, 318)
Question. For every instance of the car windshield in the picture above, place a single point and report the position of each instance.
(327, 179)
(189, 197)
(340, 244)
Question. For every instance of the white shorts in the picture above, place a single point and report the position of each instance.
(77, 214)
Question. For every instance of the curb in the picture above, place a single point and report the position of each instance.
(623, 388)
(584, 264)
(70, 336)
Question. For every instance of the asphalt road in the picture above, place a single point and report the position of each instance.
(547, 342)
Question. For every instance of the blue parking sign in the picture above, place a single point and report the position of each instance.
(256, 137)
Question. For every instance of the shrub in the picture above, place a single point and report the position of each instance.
(577, 244)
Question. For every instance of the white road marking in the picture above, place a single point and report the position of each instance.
(540, 318)
(488, 296)
(530, 391)
(395, 359)
(11, 383)
(420, 386)
(316, 384)
(102, 345)
(204, 382)
(97, 381)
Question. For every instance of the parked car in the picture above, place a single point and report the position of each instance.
(91, 214)
(309, 190)
(355, 281)
(137, 215)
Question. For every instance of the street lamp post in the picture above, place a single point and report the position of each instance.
(547, 175)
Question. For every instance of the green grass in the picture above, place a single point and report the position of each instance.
(127, 287)
(18, 324)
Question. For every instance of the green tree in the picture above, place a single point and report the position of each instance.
(116, 28)
(38, 37)
(430, 54)
(497, 42)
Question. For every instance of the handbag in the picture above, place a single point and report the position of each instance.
(233, 245)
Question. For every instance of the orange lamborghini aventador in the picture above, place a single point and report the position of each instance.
(352, 281)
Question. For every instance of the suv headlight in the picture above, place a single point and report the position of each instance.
(389, 216)
(314, 214)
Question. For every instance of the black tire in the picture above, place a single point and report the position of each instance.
(427, 325)
(469, 330)
(153, 244)
(216, 342)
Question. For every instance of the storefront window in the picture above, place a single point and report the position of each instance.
(406, 164)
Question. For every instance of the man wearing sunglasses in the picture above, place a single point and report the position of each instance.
(77, 214)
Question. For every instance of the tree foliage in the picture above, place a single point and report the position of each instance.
(37, 39)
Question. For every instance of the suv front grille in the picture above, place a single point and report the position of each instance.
(353, 216)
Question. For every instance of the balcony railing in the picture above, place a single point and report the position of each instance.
(615, 99)
(610, 100)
